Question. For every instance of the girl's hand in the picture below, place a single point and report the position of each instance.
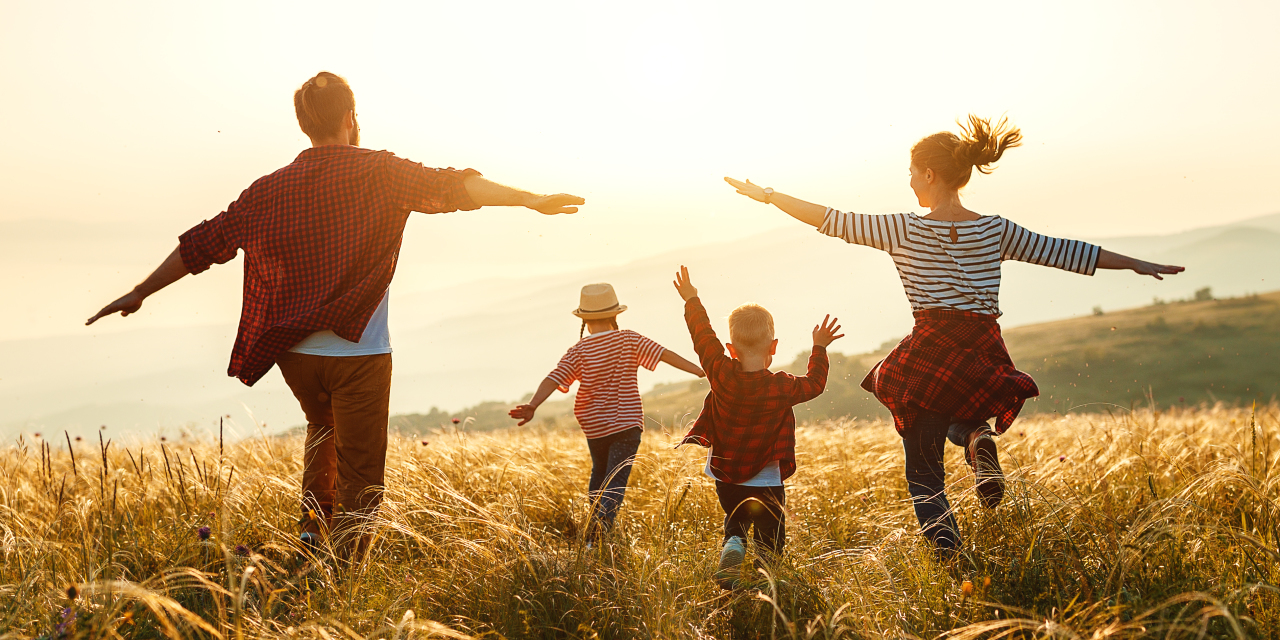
(683, 286)
(825, 333)
(748, 189)
(1155, 270)
(523, 413)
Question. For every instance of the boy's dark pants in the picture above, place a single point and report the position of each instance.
(759, 506)
(611, 458)
(924, 442)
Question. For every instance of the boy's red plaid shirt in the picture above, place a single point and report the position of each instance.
(953, 363)
(747, 418)
(321, 237)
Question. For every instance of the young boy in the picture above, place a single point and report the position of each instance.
(747, 422)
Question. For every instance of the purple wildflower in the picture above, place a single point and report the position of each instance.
(204, 532)
(424, 443)
(242, 550)
(1062, 458)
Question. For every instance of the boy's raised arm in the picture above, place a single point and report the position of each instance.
(814, 382)
(705, 343)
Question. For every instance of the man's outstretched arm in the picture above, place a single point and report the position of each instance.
(487, 193)
(169, 272)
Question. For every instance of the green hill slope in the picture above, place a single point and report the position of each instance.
(1185, 352)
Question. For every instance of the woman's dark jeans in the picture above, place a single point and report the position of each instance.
(923, 443)
(611, 458)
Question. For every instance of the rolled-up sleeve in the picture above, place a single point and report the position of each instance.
(214, 241)
(429, 190)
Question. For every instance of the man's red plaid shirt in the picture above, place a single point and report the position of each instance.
(321, 238)
(954, 363)
(747, 419)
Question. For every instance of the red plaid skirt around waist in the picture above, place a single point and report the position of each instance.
(954, 363)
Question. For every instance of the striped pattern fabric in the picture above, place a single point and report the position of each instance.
(320, 237)
(965, 274)
(605, 364)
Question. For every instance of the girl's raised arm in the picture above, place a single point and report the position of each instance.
(806, 212)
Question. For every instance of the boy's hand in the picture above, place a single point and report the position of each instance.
(523, 413)
(683, 286)
(825, 333)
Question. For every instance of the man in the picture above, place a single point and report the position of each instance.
(321, 237)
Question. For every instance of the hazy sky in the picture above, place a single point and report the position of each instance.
(127, 123)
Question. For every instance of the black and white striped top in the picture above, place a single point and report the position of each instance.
(940, 274)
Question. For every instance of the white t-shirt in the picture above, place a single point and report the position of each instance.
(769, 476)
(376, 338)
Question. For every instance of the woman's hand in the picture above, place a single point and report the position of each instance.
(1113, 260)
(748, 189)
(1155, 270)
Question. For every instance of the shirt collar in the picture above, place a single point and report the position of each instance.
(314, 153)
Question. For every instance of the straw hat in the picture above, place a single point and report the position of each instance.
(598, 301)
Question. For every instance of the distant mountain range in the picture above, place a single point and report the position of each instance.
(496, 339)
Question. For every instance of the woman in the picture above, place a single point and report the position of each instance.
(952, 373)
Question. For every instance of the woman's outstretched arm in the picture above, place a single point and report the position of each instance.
(806, 212)
(1112, 260)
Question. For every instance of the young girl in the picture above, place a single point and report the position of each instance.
(608, 403)
(952, 373)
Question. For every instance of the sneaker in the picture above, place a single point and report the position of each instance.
(982, 456)
(731, 557)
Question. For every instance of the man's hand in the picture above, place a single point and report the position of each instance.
(683, 286)
(125, 305)
(825, 333)
(523, 413)
(555, 204)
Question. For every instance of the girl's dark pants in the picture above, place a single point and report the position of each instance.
(923, 443)
(759, 506)
(611, 458)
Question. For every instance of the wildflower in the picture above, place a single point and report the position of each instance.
(424, 443)
(204, 532)
(966, 588)
(241, 550)
(1062, 458)
(456, 421)
(72, 592)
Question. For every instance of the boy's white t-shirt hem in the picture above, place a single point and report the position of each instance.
(375, 340)
(769, 476)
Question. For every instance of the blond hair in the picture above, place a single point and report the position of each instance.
(954, 157)
(751, 327)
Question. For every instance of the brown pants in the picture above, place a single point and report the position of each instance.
(345, 400)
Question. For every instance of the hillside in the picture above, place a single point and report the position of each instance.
(1175, 353)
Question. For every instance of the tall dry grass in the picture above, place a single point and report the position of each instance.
(1146, 524)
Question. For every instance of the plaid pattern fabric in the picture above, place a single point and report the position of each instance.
(953, 363)
(321, 238)
(747, 419)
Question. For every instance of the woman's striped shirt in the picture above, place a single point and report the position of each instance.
(605, 363)
(940, 274)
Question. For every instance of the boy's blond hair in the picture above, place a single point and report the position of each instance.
(751, 327)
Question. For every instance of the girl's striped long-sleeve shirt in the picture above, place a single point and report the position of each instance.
(964, 274)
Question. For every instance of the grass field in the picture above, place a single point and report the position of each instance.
(1147, 524)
